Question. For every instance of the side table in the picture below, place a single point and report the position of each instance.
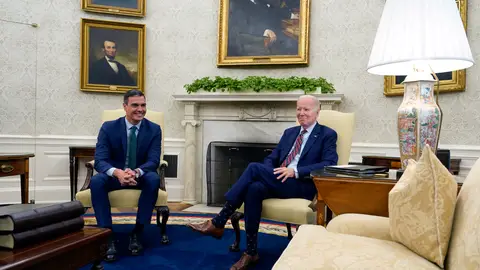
(17, 164)
(75, 153)
(351, 194)
(68, 252)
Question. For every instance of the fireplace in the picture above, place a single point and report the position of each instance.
(226, 161)
(232, 117)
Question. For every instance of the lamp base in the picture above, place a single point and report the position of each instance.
(419, 118)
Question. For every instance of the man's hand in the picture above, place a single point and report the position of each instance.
(124, 177)
(284, 173)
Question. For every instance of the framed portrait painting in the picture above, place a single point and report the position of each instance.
(135, 8)
(449, 81)
(112, 56)
(263, 32)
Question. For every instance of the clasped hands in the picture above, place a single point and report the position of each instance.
(126, 178)
(284, 173)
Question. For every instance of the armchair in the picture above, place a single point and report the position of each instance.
(302, 211)
(129, 197)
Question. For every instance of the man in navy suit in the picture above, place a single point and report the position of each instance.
(127, 155)
(109, 71)
(283, 174)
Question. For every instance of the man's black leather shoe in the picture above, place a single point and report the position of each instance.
(111, 254)
(135, 246)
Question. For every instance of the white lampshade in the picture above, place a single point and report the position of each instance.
(419, 33)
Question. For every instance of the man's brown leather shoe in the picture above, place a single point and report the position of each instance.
(245, 262)
(207, 228)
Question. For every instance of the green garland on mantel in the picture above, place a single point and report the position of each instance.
(260, 83)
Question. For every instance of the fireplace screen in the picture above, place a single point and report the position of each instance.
(226, 161)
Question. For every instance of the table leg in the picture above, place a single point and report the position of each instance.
(75, 178)
(71, 175)
(24, 187)
(320, 212)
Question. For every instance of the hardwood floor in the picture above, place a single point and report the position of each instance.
(174, 207)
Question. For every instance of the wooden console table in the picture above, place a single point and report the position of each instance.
(350, 194)
(394, 162)
(75, 153)
(17, 164)
(67, 252)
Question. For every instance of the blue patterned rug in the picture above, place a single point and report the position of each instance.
(188, 249)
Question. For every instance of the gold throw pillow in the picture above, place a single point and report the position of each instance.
(421, 207)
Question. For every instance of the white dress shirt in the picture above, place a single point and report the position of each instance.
(113, 65)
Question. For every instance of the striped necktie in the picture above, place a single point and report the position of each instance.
(296, 149)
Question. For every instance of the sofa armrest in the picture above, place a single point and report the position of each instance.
(361, 225)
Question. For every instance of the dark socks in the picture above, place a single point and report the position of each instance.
(220, 220)
(138, 228)
(251, 244)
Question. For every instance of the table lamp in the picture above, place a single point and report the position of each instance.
(419, 38)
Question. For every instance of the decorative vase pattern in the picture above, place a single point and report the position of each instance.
(419, 119)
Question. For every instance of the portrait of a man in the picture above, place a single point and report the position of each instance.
(107, 70)
(117, 3)
(135, 8)
(263, 27)
(112, 55)
(272, 30)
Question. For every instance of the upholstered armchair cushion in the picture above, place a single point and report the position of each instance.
(121, 198)
(361, 225)
(421, 207)
(294, 211)
(313, 247)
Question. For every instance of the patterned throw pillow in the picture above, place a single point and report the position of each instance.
(421, 207)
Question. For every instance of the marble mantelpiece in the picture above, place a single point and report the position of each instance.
(236, 116)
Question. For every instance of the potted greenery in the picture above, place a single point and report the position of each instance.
(260, 83)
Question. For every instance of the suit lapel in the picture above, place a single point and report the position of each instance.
(311, 140)
(124, 137)
(290, 141)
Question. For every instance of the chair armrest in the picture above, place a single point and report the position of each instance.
(90, 169)
(361, 225)
(161, 172)
(88, 178)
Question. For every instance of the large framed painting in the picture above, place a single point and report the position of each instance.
(135, 8)
(263, 32)
(449, 81)
(112, 56)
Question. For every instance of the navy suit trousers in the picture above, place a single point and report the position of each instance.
(258, 183)
(102, 184)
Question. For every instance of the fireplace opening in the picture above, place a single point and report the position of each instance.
(226, 161)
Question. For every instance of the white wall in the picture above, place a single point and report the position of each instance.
(40, 70)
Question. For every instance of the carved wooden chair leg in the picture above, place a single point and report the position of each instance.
(235, 218)
(165, 212)
(289, 230)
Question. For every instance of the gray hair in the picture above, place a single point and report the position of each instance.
(316, 103)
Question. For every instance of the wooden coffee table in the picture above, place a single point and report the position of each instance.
(71, 251)
(350, 194)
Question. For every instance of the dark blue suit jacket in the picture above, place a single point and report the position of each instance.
(320, 150)
(111, 148)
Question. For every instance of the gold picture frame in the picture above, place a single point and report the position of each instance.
(272, 35)
(454, 81)
(112, 56)
(136, 8)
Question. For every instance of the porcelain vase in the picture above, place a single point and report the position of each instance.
(419, 120)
